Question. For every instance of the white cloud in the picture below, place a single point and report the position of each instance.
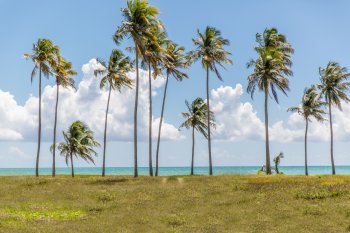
(237, 121)
(87, 103)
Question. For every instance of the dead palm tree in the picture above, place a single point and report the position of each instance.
(333, 86)
(310, 108)
(115, 76)
(44, 56)
(139, 19)
(196, 119)
(174, 59)
(210, 50)
(271, 72)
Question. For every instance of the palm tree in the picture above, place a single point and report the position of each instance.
(115, 76)
(173, 60)
(63, 72)
(196, 119)
(79, 142)
(333, 87)
(310, 107)
(153, 55)
(271, 72)
(277, 161)
(210, 50)
(139, 19)
(44, 57)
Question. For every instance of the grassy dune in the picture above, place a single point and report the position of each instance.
(227, 203)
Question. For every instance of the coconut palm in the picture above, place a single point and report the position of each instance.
(79, 142)
(277, 161)
(271, 72)
(63, 73)
(173, 60)
(139, 19)
(196, 119)
(210, 50)
(152, 59)
(333, 86)
(310, 108)
(115, 76)
(44, 56)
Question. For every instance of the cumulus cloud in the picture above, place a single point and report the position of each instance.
(86, 103)
(237, 120)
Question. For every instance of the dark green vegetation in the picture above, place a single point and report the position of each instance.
(228, 203)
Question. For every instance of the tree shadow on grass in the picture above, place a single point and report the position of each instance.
(108, 181)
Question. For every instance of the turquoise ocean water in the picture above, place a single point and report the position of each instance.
(170, 171)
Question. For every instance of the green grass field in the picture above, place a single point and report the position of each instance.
(229, 203)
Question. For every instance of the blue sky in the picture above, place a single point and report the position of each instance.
(317, 29)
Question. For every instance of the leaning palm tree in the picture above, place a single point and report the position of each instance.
(196, 119)
(271, 72)
(277, 161)
(44, 57)
(115, 76)
(79, 142)
(333, 86)
(63, 73)
(310, 108)
(173, 60)
(139, 19)
(210, 50)
(152, 59)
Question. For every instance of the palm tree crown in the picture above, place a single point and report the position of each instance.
(272, 67)
(63, 72)
(174, 59)
(79, 141)
(44, 57)
(310, 105)
(139, 19)
(210, 49)
(333, 83)
(196, 116)
(115, 73)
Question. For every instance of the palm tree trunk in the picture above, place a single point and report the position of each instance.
(209, 136)
(161, 122)
(54, 131)
(276, 168)
(135, 112)
(306, 129)
(71, 163)
(105, 134)
(39, 128)
(267, 143)
(192, 162)
(331, 127)
(150, 120)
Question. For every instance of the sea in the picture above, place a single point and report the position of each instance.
(173, 171)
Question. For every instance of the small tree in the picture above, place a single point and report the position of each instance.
(277, 161)
(80, 142)
(196, 119)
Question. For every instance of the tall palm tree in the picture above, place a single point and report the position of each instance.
(210, 50)
(79, 142)
(63, 73)
(139, 19)
(173, 60)
(115, 76)
(310, 108)
(333, 86)
(196, 119)
(44, 56)
(153, 58)
(271, 72)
